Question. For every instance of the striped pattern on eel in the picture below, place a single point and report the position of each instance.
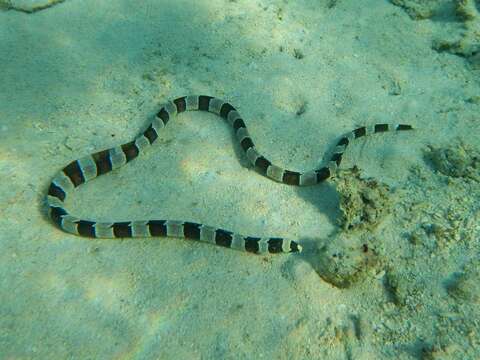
(89, 167)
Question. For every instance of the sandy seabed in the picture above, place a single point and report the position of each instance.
(390, 267)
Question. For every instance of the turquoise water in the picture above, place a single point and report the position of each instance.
(389, 268)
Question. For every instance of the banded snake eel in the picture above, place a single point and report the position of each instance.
(89, 167)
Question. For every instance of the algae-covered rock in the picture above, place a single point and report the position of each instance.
(422, 9)
(364, 203)
(468, 43)
(467, 9)
(418, 9)
(458, 161)
(465, 286)
(464, 14)
(347, 259)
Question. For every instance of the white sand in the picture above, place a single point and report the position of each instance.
(86, 75)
